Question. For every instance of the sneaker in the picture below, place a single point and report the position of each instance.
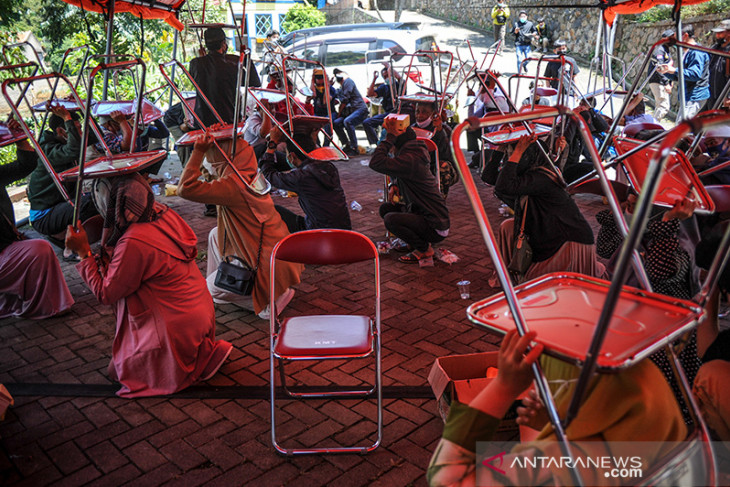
(281, 303)
(266, 313)
(351, 151)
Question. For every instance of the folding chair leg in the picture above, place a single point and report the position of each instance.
(350, 393)
(378, 389)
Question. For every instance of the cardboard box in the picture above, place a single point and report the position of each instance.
(399, 121)
(462, 377)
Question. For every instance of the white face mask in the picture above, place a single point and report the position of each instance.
(425, 123)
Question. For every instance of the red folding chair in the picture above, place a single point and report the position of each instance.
(325, 337)
(573, 313)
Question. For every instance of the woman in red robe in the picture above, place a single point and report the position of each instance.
(165, 338)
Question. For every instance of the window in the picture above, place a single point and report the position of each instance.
(346, 53)
(386, 45)
(427, 43)
(282, 30)
(263, 24)
(309, 52)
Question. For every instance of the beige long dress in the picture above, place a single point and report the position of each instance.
(241, 214)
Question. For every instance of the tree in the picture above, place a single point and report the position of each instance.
(302, 16)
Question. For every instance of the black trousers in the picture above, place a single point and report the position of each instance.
(61, 216)
(295, 223)
(411, 228)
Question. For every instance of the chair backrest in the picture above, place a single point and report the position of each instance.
(678, 180)
(325, 247)
(430, 145)
(720, 194)
(593, 186)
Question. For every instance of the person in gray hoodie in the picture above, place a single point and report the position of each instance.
(317, 183)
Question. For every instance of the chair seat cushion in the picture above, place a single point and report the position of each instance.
(324, 336)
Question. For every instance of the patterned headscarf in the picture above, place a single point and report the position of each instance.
(124, 200)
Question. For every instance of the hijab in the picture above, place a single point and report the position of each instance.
(122, 201)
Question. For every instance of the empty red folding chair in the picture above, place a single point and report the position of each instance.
(326, 337)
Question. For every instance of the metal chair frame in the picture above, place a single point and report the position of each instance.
(325, 238)
(616, 286)
(295, 108)
(258, 185)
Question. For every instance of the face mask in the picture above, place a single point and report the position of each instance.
(717, 150)
(523, 20)
(425, 123)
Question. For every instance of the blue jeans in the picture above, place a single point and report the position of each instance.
(349, 123)
(370, 124)
(522, 53)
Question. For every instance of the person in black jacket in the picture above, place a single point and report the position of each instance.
(560, 237)
(216, 74)
(31, 280)
(317, 183)
(422, 218)
(524, 32)
(50, 213)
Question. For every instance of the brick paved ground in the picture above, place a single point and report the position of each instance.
(219, 434)
(67, 440)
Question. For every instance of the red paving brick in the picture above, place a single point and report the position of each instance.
(111, 441)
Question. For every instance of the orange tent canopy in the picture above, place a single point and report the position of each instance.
(638, 6)
(166, 10)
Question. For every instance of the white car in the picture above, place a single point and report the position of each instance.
(360, 53)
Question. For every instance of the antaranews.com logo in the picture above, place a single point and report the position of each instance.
(598, 463)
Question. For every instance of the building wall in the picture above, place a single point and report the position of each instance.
(347, 12)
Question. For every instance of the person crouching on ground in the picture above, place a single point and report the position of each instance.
(423, 219)
(165, 336)
(317, 183)
(247, 222)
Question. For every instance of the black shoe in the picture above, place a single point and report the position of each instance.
(351, 151)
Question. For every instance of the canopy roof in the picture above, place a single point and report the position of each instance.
(166, 10)
(638, 6)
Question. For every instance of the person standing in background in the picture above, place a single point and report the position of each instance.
(500, 17)
(524, 32)
(660, 84)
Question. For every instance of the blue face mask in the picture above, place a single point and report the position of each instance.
(522, 21)
(717, 150)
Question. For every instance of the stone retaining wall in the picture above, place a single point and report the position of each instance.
(577, 26)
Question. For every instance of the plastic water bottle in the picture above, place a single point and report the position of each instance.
(355, 206)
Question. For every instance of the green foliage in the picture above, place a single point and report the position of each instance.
(10, 11)
(302, 16)
(7, 154)
(664, 12)
(61, 26)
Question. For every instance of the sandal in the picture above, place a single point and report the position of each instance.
(415, 257)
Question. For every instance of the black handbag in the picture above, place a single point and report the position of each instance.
(238, 278)
(522, 252)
